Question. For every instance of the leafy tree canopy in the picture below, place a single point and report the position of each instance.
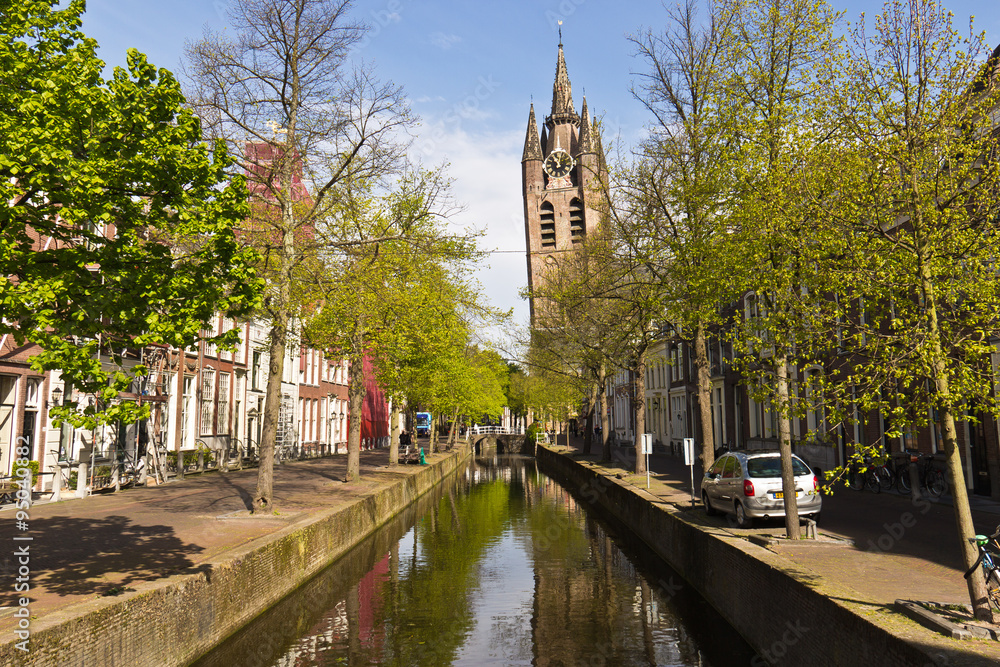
(119, 231)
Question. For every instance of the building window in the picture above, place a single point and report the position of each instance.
(814, 408)
(207, 400)
(548, 226)
(753, 417)
(222, 405)
(577, 228)
(255, 371)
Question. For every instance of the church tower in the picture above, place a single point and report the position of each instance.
(560, 174)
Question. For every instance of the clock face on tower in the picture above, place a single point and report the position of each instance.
(558, 164)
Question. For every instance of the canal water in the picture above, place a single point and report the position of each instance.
(500, 565)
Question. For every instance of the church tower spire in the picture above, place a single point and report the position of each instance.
(586, 143)
(532, 146)
(562, 95)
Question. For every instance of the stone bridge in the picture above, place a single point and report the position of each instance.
(499, 445)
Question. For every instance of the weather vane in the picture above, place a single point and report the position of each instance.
(560, 32)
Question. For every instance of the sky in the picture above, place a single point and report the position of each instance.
(471, 70)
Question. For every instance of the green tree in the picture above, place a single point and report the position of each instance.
(919, 200)
(680, 186)
(776, 96)
(280, 90)
(119, 228)
(394, 295)
(580, 338)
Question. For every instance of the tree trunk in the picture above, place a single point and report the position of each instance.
(604, 421)
(453, 431)
(792, 528)
(639, 407)
(956, 478)
(963, 513)
(280, 314)
(588, 432)
(394, 436)
(263, 499)
(432, 437)
(704, 385)
(355, 407)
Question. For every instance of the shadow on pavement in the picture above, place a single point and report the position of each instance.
(71, 556)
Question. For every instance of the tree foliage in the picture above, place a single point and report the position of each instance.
(918, 189)
(308, 126)
(119, 228)
(401, 296)
(775, 94)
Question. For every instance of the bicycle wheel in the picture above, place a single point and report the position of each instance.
(885, 478)
(872, 481)
(992, 586)
(936, 482)
(856, 480)
(903, 480)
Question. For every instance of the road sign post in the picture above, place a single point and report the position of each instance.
(689, 462)
(647, 449)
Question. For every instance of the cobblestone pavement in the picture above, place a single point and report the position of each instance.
(86, 549)
(880, 548)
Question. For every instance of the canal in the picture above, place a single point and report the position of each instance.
(499, 565)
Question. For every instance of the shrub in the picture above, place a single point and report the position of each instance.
(30, 464)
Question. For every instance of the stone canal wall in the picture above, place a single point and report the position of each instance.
(184, 616)
(779, 610)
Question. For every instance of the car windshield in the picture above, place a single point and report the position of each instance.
(770, 466)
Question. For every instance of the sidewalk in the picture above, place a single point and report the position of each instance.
(102, 546)
(878, 548)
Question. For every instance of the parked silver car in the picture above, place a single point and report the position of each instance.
(748, 485)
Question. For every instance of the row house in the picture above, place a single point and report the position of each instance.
(202, 398)
(25, 396)
(740, 422)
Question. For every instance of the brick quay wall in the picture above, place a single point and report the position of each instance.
(779, 610)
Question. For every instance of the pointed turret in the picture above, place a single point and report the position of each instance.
(602, 163)
(585, 144)
(562, 94)
(532, 146)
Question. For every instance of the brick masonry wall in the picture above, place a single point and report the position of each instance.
(775, 608)
(174, 622)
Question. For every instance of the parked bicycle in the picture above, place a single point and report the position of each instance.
(284, 452)
(875, 477)
(130, 468)
(932, 479)
(988, 559)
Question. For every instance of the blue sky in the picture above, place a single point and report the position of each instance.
(471, 69)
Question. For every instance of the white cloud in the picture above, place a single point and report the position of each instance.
(444, 41)
(486, 168)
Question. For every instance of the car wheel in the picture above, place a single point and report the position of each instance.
(742, 520)
(709, 510)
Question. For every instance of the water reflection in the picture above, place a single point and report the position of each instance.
(500, 565)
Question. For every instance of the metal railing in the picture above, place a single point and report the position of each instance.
(497, 430)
